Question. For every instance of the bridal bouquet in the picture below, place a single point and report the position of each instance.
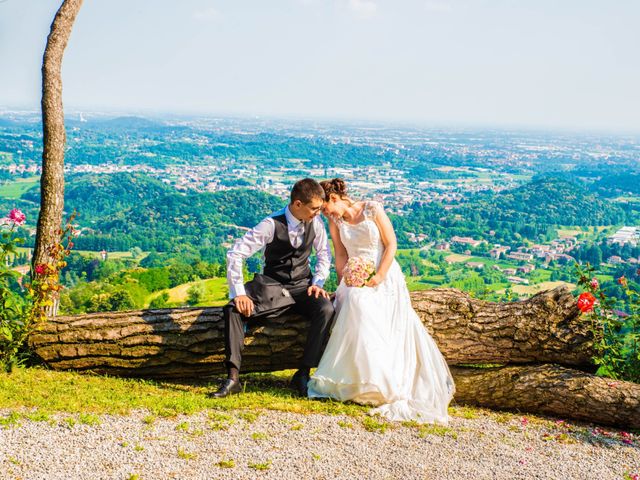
(358, 271)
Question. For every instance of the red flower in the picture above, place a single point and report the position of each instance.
(16, 216)
(586, 301)
(41, 269)
(622, 281)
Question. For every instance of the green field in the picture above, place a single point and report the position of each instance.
(17, 188)
(216, 293)
(533, 289)
(92, 254)
(457, 258)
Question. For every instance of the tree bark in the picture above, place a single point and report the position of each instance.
(546, 328)
(54, 136)
(187, 342)
(551, 390)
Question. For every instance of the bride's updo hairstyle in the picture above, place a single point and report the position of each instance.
(335, 186)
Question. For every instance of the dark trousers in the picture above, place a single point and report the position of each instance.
(319, 311)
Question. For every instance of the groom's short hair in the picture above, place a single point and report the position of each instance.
(306, 190)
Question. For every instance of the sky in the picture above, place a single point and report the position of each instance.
(570, 64)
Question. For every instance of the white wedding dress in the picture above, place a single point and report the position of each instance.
(379, 353)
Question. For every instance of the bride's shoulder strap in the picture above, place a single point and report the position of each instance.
(371, 209)
(335, 219)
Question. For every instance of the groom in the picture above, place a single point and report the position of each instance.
(287, 238)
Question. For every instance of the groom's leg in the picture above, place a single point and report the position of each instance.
(320, 313)
(233, 338)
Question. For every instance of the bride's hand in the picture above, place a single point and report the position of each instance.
(376, 280)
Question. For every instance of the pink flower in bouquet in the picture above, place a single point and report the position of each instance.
(358, 271)
(594, 283)
(16, 216)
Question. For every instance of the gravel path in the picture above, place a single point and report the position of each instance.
(278, 445)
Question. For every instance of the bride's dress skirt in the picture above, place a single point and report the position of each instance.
(380, 354)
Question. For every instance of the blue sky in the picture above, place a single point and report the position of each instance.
(512, 63)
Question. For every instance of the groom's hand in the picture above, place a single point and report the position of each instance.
(317, 292)
(244, 305)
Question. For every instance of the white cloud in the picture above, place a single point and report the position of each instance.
(438, 6)
(363, 8)
(207, 14)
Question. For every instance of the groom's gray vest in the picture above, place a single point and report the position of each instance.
(285, 263)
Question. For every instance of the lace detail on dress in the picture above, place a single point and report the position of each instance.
(371, 209)
(336, 219)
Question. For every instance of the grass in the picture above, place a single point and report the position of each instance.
(182, 427)
(183, 454)
(261, 466)
(92, 395)
(18, 187)
(415, 284)
(457, 257)
(539, 287)
(226, 463)
(216, 293)
(119, 255)
(372, 424)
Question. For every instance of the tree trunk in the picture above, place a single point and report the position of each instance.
(552, 390)
(186, 342)
(54, 136)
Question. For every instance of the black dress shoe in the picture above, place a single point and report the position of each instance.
(299, 383)
(230, 386)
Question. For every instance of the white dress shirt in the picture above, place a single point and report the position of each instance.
(259, 236)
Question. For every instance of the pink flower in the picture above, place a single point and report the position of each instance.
(524, 421)
(16, 216)
(594, 283)
(41, 269)
(358, 271)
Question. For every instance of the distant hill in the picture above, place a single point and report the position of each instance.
(549, 200)
(126, 210)
(618, 184)
(532, 211)
(127, 122)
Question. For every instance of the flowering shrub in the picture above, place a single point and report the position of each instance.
(14, 308)
(616, 330)
(358, 271)
(22, 312)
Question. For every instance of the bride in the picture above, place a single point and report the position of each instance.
(379, 353)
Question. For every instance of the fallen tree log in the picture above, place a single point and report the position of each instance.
(545, 329)
(188, 342)
(551, 390)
